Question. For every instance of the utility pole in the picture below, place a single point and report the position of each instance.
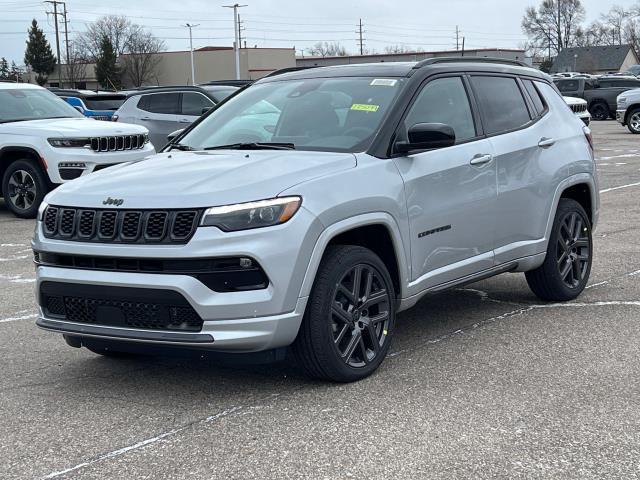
(193, 69)
(463, 46)
(240, 29)
(457, 38)
(55, 17)
(66, 33)
(236, 30)
(360, 41)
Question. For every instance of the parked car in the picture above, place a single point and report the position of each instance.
(628, 112)
(44, 142)
(579, 107)
(340, 197)
(634, 70)
(229, 83)
(601, 94)
(164, 110)
(220, 92)
(97, 106)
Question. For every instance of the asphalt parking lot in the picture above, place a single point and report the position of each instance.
(484, 381)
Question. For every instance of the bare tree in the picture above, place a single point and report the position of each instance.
(141, 60)
(554, 25)
(75, 69)
(328, 49)
(399, 49)
(117, 28)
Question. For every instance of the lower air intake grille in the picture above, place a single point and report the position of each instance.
(119, 307)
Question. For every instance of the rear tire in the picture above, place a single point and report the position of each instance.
(633, 121)
(24, 186)
(349, 322)
(599, 110)
(566, 268)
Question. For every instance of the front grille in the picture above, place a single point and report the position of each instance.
(119, 307)
(120, 226)
(579, 108)
(121, 142)
(105, 118)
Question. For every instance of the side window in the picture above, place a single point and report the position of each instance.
(194, 103)
(160, 103)
(444, 100)
(605, 84)
(552, 98)
(538, 103)
(568, 85)
(501, 102)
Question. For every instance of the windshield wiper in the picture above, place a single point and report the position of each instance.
(180, 146)
(254, 146)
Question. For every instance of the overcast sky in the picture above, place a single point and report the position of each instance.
(425, 24)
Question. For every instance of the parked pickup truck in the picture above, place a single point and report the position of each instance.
(601, 94)
(628, 112)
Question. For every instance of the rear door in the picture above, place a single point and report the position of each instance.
(192, 105)
(159, 113)
(521, 132)
(450, 192)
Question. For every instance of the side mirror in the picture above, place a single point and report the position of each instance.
(172, 136)
(427, 136)
(206, 109)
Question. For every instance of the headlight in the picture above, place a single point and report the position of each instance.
(243, 216)
(146, 138)
(69, 142)
(43, 206)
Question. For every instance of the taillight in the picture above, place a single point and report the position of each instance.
(589, 137)
(114, 118)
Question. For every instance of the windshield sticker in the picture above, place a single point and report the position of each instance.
(383, 82)
(363, 107)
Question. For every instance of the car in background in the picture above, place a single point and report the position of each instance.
(628, 111)
(579, 107)
(601, 94)
(45, 142)
(164, 110)
(220, 92)
(229, 83)
(96, 105)
(633, 70)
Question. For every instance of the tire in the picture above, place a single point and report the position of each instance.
(599, 110)
(567, 265)
(633, 121)
(24, 186)
(336, 341)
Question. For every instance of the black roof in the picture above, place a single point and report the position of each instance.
(229, 83)
(591, 59)
(407, 69)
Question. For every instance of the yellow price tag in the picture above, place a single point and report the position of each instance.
(363, 107)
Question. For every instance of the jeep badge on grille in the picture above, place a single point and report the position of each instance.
(113, 201)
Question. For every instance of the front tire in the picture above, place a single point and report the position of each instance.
(349, 322)
(599, 110)
(24, 186)
(633, 121)
(566, 268)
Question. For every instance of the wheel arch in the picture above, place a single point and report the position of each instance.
(10, 154)
(377, 231)
(630, 109)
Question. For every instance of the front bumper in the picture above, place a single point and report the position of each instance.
(620, 116)
(239, 321)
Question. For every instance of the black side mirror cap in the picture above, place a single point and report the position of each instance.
(427, 136)
(206, 109)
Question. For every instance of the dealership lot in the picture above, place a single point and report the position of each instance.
(482, 381)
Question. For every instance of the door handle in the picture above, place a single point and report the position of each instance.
(184, 120)
(546, 142)
(481, 159)
(145, 118)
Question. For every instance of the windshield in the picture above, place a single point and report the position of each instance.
(326, 114)
(33, 104)
(104, 102)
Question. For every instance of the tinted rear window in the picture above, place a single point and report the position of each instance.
(568, 85)
(502, 104)
(538, 103)
(160, 103)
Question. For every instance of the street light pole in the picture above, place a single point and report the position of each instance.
(236, 36)
(193, 70)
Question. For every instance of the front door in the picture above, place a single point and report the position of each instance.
(159, 113)
(451, 192)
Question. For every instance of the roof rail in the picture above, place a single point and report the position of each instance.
(436, 60)
(287, 70)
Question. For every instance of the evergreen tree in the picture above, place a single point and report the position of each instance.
(108, 73)
(38, 54)
(4, 69)
(16, 73)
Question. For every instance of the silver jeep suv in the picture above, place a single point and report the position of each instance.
(311, 208)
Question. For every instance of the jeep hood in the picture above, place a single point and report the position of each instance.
(200, 179)
(71, 127)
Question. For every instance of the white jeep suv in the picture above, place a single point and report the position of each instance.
(44, 142)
